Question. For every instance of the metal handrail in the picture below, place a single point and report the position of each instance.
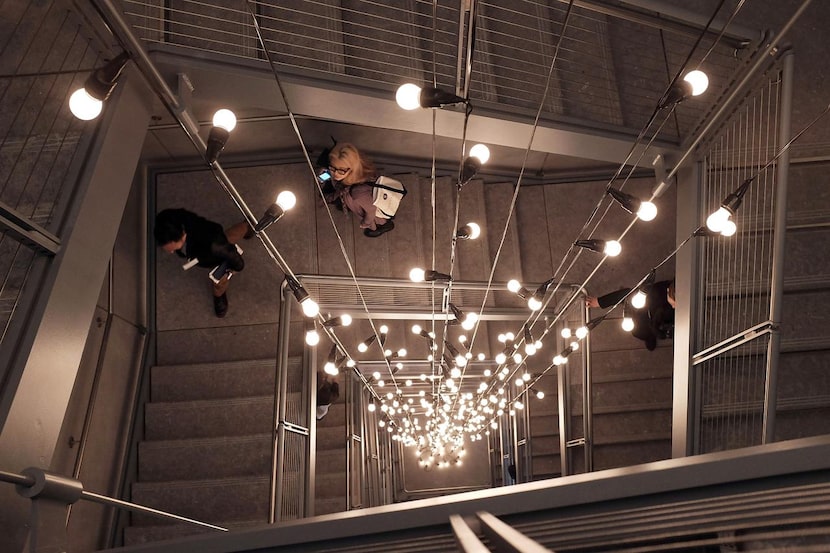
(27, 481)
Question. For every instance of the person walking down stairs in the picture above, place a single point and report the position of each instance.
(206, 244)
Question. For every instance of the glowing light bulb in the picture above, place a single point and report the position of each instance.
(310, 307)
(534, 304)
(286, 200)
(716, 221)
(565, 333)
(362, 347)
(627, 324)
(469, 321)
(612, 248)
(330, 368)
(638, 300)
(699, 81)
(371, 407)
(384, 329)
(647, 211)
(417, 275)
(500, 358)
(540, 394)
(83, 106)
(481, 152)
(581, 332)
(312, 337)
(225, 119)
(408, 96)
(729, 228)
(416, 329)
(514, 285)
(474, 230)
(345, 319)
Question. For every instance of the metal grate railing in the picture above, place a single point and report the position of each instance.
(610, 72)
(40, 141)
(736, 275)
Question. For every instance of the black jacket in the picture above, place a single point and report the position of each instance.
(206, 241)
(653, 322)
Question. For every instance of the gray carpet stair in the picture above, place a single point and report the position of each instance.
(208, 439)
(331, 476)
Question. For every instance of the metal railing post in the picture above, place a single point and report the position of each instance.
(778, 247)
(280, 387)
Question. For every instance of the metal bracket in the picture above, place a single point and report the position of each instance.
(51, 496)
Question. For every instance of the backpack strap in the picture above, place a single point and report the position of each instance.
(402, 190)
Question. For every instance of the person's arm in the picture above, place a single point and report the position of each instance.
(224, 250)
(613, 298)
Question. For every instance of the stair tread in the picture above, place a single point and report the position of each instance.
(185, 442)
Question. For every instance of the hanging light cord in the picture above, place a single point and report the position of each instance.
(557, 283)
(671, 255)
(342, 246)
(518, 182)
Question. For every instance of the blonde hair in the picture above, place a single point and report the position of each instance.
(362, 168)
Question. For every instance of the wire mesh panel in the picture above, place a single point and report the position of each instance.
(610, 71)
(44, 57)
(736, 274)
(294, 462)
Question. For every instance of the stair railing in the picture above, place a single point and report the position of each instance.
(52, 496)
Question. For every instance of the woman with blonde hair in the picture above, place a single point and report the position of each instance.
(353, 174)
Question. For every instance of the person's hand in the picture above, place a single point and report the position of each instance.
(591, 301)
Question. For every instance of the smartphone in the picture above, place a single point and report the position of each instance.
(219, 271)
(324, 177)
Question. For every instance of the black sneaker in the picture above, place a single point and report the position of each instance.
(386, 227)
(220, 305)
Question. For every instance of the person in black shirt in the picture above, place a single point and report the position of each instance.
(328, 391)
(197, 239)
(653, 322)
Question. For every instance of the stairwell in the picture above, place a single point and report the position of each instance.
(207, 430)
(207, 446)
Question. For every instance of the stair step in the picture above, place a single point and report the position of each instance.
(331, 460)
(335, 417)
(208, 419)
(231, 499)
(137, 535)
(220, 380)
(331, 438)
(330, 485)
(544, 425)
(200, 458)
(541, 445)
(546, 466)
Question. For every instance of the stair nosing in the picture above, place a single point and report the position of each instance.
(202, 482)
(184, 442)
(205, 402)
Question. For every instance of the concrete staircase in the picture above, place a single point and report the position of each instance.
(206, 452)
(207, 436)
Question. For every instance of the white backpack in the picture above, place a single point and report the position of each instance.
(387, 196)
